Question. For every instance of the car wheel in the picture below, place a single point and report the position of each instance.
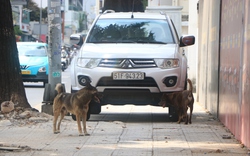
(173, 116)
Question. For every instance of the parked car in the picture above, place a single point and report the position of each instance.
(33, 58)
(76, 40)
(132, 58)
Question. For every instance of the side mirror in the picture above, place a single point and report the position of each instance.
(77, 39)
(187, 40)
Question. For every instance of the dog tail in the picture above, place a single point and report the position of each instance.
(190, 85)
(59, 88)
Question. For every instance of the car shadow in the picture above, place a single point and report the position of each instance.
(131, 118)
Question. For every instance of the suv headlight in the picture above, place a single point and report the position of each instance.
(88, 62)
(167, 63)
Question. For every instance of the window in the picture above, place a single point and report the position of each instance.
(130, 31)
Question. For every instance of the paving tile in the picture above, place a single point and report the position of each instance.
(123, 131)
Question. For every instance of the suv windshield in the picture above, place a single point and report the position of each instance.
(131, 31)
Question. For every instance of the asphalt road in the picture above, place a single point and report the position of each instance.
(35, 91)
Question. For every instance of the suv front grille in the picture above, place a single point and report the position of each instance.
(127, 63)
(108, 81)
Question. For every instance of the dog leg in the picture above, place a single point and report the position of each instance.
(179, 116)
(55, 122)
(56, 113)
(191, 112)
(84, 118)
(63, 113)
(186, 119)
(78, 120)
(186, 115)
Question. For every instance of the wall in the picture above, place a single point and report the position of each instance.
(208, 54)
(174, 12)
(159, 2)
(192, 52)
(223, 66)
(234, 106)
(245, 107)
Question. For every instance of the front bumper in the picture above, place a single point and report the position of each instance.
(40, 77)
(154, 79)
(121, 92)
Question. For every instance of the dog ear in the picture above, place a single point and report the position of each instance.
(88, 83)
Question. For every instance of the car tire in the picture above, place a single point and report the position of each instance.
(74, 117)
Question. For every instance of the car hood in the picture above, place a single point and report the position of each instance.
(24, 60)
(90, 50)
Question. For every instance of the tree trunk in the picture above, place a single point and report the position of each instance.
(11, 84)
(123, 5)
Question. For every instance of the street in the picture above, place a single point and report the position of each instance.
(35, 91)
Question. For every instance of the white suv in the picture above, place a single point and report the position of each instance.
(132, 58)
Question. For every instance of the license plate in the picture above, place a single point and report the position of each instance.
(26, 72)
(128, 76)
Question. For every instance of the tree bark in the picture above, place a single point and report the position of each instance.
(123, 5)
(11, 84)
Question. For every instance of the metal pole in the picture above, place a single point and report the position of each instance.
(20, 16)
(40, 23)
(54, 29)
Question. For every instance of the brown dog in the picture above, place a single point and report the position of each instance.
(181, 101)
(75, 103)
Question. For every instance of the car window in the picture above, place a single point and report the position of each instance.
(130, 31)
(32, 50)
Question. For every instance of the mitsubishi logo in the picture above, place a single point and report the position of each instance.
(127, 64)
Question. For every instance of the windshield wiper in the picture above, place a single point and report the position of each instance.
(157, 42)
(131, 41)
(151, 42)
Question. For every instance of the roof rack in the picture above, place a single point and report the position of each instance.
(108, 11)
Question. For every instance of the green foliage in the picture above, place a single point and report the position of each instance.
(17, 30)
(35, 11)
(82, 21)
(145, 3)
(125, 5)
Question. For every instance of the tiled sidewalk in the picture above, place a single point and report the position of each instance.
(123, 131)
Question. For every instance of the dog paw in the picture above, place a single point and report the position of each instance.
(81, 134)
(87, 134)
